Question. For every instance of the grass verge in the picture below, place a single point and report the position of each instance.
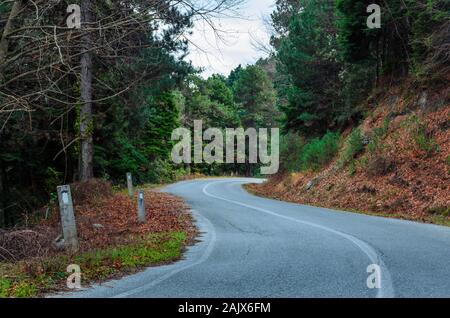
(33, 278)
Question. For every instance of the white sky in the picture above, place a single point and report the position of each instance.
(235, 44)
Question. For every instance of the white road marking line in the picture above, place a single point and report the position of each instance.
(386, 290)
(205, 256)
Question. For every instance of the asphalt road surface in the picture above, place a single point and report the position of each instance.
(259, 248)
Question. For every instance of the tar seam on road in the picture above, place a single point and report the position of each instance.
(205, 256)
(386, 290)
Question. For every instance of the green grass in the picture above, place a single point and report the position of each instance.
(377, 136)
(422, 139)
(440, 220)
(440, 211)
(23, 280)
(353, 147)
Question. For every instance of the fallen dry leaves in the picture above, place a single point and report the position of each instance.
(103, 220)
(416, 186)
(113, 220)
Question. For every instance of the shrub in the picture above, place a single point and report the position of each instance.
(352, 168)
(319, 152)
(90, 192)
(422, 138)
(17, 244)
(353, 147)
(291, 148)
(161, 171)
(378, 135)
(425, 142)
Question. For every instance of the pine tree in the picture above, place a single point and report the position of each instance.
(256, 98)
(308, 55)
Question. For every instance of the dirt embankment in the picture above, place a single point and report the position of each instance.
(403, 171)
(104, 219)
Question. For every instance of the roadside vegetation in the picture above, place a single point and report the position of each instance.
(327, 73)
(35, 277)
(365, 116)
(391, 165)
(112, 242)
(383, 92)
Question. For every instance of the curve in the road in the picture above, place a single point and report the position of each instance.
(386, 290)
(253, 247)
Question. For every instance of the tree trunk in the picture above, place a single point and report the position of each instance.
(86, 119)
(2, 198)
(4, 43)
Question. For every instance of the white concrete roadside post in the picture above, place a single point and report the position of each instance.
(141, 207)
(67, 218)
(130, 184)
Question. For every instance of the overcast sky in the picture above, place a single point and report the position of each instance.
(235, 44)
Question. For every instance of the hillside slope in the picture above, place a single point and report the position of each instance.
(401, 169)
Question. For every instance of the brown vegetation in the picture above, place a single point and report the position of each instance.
(104, 219)
(404, 173)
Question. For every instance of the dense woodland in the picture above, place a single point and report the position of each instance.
(103, 100)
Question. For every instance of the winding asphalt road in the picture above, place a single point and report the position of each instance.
(258, 248)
